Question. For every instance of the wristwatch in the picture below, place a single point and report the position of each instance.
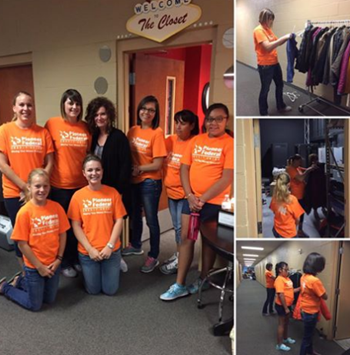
(110, 246)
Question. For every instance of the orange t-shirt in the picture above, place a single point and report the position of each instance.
(97, 211)
(311, 291)
(207, 158)
(40, 227)
(172, 180)
(72, 142)
(262, 34)
(296, 187)
(269, 279)
(25, 150)
(284, 285)
(285, 216)
(146, 144)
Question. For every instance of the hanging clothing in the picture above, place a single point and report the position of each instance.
(292, 54)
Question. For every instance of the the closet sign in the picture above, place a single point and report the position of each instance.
(159, 20)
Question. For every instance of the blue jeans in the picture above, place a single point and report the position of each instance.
(36, 290)
(175, 208)
(267, 74)
(101, 276)
(270, 297)
(309, 321)
(12, 206)
(146, 194)
(70, 255)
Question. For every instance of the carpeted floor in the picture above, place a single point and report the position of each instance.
(256, 334)
(132, 322)
(247, 95)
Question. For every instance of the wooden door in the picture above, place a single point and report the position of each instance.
(12, 80)
(342, 329)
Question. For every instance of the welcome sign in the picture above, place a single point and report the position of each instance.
(159, 20)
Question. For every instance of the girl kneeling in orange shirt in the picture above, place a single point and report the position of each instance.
(40, 231)
(284, 300)
(286, 208)
(312, 290)
(97, 212)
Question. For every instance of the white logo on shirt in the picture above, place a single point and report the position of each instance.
(205, 154)
(97, 206)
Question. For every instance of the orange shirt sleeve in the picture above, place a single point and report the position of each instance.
(73, 209)
(279, 285)
(158, 145)
(21, 230)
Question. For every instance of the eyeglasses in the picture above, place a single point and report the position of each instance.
(149, 110)
(216, 119)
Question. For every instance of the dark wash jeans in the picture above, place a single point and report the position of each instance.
(70, 255)
(146, 194)
(270, 297)
(267, 74)
(310, 321)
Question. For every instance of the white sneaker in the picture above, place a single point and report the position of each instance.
(171, 259)
(69, 272)
(123, 265)
(170, 268)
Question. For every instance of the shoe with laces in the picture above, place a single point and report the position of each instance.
(170, 268)
(149, 265)
(123, 265)
(282, 347)
(289, 341)
(130, 250)
(69, 272)
(171, 259)
(175, 291)
(194, 287)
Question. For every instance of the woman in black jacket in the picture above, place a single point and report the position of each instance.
(112, 146)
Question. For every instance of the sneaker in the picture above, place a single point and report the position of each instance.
(171, 259)
(69, 272)
(123, 265)
(77, 268)
(130, 250)
(170, 268)
(174, 292)
(149, 265)
(282, 347)
(193, 288)
(289, 341)
(285, 109)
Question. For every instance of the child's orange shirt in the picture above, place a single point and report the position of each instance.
(285, 216)
(296, 187)
(72, 142)
(172, 180)
(25, 150)
(40, 227)
(262, 34)
(207, 158)
(311, 292)
(145, 145)
(284, 285)
(269, 279)
(97, 211)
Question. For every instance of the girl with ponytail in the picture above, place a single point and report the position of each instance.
(286, 208)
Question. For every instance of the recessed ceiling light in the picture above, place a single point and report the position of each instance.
(253, 248)
(254, 255)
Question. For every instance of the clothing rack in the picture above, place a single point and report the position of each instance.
(320, 99)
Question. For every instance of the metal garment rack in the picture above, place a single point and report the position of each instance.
(329, 153)
(320, 99)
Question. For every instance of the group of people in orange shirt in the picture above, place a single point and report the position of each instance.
(96, 176)
(287, 201)
(280, 290)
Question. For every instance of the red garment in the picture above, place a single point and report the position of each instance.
(323, 310)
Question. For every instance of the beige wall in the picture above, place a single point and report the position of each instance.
(289, 15)
(294, 254)
(246, 210)
(64, 37)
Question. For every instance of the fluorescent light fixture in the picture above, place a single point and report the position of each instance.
(252, 259)
(253, 248)
(253, 255)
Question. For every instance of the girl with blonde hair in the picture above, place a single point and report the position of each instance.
(286, 208)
